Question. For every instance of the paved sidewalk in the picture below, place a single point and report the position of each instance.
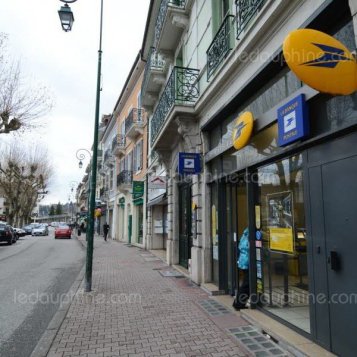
(135, 309)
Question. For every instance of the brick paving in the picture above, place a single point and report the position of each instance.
(134, 310)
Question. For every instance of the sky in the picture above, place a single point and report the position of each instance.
(66, 63)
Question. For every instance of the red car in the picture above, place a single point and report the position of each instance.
(63, 231)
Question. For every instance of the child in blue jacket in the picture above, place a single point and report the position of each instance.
(243, 265)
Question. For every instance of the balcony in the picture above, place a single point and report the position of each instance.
(181, 90)
(154, 77)
(246, 10)
(170, 22)
(220, 46)
(124, 181)
(135, 123)
(118, 145)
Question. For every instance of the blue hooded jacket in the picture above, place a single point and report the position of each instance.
(243, 259)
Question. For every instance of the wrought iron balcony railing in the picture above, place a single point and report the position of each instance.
(125, 178)
(181, 88)
(220, 46)
(118, 142)
(162, 15)
(136, 116)
(246, 10)
(154, 62)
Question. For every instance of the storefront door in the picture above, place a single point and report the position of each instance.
(332, 176)
(185, 236)
(236, 220)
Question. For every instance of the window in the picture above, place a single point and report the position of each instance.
(139, 100)
(122, 165)
(138, 156)
(282, 274)
(220, 9)
(111, 174)
(129, 161)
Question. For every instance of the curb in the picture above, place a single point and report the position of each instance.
(46, 340)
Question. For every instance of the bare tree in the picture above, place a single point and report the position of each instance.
(22, 104)
(24, 176)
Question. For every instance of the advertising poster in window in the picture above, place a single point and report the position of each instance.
(281, 222)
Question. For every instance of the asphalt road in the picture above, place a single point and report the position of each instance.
(35, 276)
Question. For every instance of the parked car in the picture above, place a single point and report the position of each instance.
(40, 230)
(63, 231)
(7, 234)
(20, 232)
(28, 229)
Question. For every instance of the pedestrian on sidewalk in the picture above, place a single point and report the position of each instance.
(243, 266)
(105, 230)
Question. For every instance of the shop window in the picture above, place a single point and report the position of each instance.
(282, 276)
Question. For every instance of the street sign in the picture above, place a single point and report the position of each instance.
(138, 189)
(189, 163)
(157, 183)
(293, 121)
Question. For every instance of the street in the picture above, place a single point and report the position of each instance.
(35, 274)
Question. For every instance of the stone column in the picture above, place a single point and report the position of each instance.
(188, 129)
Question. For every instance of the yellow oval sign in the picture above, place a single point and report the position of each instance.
(321, 61)
(242, 130)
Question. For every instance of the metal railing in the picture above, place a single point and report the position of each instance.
(162, 15)
(220, 46)
(153, 62)
(118, 142)
(136, 116)
(125, 177)
(181, 88)
(246, 10)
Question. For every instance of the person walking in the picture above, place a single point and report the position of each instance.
(105, 230)
(243, 265)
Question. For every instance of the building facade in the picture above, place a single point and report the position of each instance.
(208, 62)
(129, 147)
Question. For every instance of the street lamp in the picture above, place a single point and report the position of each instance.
(90, 235)
(66, 15)
(82, 154)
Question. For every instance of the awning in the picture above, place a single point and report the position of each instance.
(160, 200)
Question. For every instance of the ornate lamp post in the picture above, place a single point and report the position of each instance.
(66, 15)
(66, 22)
(82, 154)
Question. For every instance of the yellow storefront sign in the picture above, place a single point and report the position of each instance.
(281, 239)
(242, 130)
(321, 61)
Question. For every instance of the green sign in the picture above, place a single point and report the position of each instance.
(138, 202)
(138, 189)
(122, 202)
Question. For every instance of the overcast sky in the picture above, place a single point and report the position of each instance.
(66, 63)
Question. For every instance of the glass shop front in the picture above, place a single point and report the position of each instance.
(299, 203)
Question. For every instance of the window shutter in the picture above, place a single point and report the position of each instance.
(141, 155)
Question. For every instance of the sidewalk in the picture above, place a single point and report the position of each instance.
(139, 306)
